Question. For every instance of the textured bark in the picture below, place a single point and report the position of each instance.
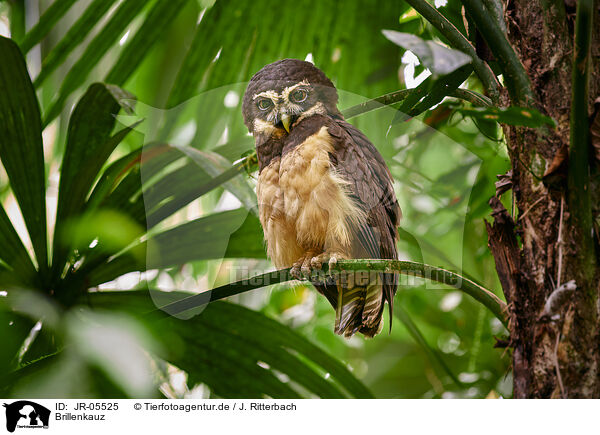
(556, 353)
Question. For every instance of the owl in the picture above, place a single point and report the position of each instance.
(324, 191)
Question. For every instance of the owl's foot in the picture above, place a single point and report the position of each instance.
(301, 268)
(312, 262)
(329, 257)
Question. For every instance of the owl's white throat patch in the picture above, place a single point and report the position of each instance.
(317, 109)
(262, 127)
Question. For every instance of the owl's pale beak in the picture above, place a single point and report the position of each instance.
(285, 120)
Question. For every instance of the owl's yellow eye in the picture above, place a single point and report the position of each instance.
(264, 104)
(299, 95)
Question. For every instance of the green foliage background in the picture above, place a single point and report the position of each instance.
(166, 224)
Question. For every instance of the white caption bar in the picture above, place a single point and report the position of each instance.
(339, 417)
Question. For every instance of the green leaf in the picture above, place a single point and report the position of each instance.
(21, 147)
(442, 88)
(431, 353)
(111, 230)
(111, 177)
(526, 117)
(439, 59)
(163, 12)
(203, 49)
(174, 191)
(216, 165)
(239, 353)
(75, 36)
(47, 21)
(229, 234)
(163, 192)
(14, 328)
(349, 29)
(13, 253)
(431, 92)
(17, 19)
(88, 147)
(126, 12)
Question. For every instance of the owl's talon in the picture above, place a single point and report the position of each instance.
(331, 258)
(316, 263)
(295, 270)
(332, 262)
(306, 270)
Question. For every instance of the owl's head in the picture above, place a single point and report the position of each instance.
(285, 92)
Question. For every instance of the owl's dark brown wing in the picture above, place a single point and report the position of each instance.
(371, 187)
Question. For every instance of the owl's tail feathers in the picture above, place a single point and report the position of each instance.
(349, 309)
(359, 308)
(372, 317)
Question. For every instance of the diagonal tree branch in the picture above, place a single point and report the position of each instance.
(515, 76)
(458, 40)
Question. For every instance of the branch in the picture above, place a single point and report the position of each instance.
(579, 169)
(401, 95)
(376, 103)
(451, 279)
(516, 77)
(450, 32)
(472, 97)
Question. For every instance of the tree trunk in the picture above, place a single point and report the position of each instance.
(539, 247)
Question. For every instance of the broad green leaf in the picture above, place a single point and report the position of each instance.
(161, 197)
(229, 234)
(439, 59)
(202, 50)
(344, 30)
(110, 344)
(16, 18)
(111, 177)
(90, 17)
(160, 200)
(237, 352)
(96, 49)
(14, 254)
(20, 309)
(431, 353)
(216, 165)
(47, 21)
(237, 149)
(108, 231)
(163, 193)
(527, 117)
(174, 191)
(163, 12)
(120, 186)
(442, 88)
(117, 345)
(14, 329)
(88, 147)
(21, 148)
(431, 92)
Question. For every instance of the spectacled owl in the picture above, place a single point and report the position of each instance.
(324, 191)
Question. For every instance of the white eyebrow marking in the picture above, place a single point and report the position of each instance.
(286, 92)
(269, 94)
